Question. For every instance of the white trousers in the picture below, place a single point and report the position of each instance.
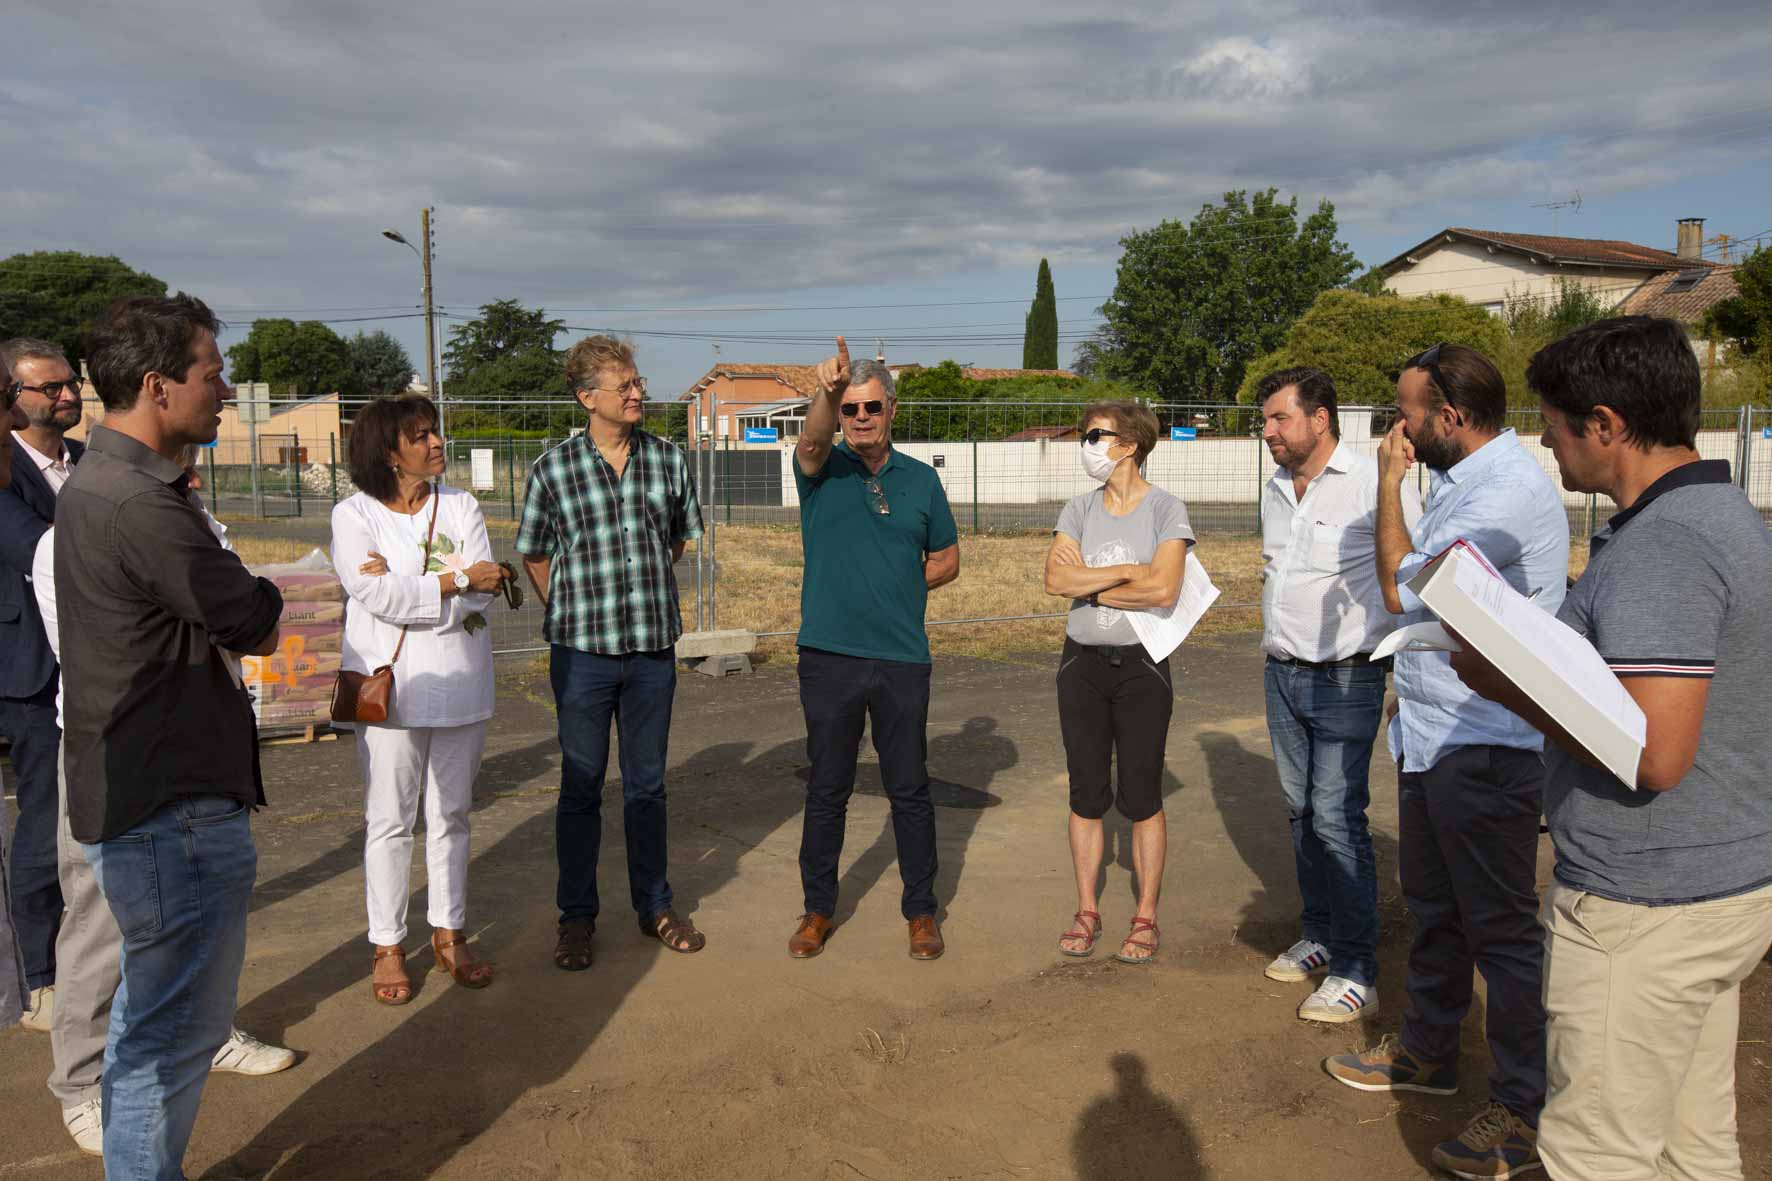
(399, 763)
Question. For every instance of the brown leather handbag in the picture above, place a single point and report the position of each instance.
(366, 697)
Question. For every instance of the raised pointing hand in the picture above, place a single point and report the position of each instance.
(833, 372)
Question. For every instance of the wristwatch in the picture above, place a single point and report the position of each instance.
(461, 581)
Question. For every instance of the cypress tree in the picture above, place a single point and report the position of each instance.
(1039, 347)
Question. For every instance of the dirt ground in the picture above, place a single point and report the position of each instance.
(1002, 1059)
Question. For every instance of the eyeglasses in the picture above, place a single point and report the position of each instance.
(872, 406)
(635, 386)
(1430, 360)
(49, 389)
(1095, 434)
(877, 495)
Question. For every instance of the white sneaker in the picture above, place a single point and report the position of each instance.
(1301, 961)
(244, 1054)
(42, 1004)
(85, 1122)
(1339, 1000)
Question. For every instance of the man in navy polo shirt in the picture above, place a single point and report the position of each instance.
(1662, 901)
(878, 536)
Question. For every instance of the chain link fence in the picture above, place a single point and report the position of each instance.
(1007, 468)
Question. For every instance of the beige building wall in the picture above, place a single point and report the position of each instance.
(1488, 278)
(314, 423)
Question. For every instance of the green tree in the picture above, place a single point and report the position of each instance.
(941, 404)
(54, 295)
(507, 351)
(298, 360)
(1039, 345)
(379, 366)
(1194, 304)
(1362, 341)
(1745, 321)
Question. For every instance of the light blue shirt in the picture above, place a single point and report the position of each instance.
(1499, 499)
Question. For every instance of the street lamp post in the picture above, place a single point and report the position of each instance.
(424, 258)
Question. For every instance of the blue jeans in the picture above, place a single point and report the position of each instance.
(636, 691)
(1322, 723)
(178, 884)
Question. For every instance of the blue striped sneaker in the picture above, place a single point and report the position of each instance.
(1301, 961)
(1338, 1000)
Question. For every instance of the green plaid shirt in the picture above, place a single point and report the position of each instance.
(611, 589)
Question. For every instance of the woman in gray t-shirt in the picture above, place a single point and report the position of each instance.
(1118, 548)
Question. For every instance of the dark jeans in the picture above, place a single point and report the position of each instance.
(1469, 856)
(839, 693)
(1322, 722)
(36, 889)
(636, 691)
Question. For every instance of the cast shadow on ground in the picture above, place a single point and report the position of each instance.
(439, 1074)
(1134, 1132)
(497, 773)
(1246, 791)
(961, 769)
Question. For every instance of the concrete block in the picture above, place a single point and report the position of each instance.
(726, 642)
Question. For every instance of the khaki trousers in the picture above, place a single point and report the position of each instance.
(1643, 1004)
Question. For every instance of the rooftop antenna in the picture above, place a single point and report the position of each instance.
(1557, 207)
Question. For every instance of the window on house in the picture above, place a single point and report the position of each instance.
(725, 425)
(1685, 281)
(1496, 308)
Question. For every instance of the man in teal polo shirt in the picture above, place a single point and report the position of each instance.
(878, 536)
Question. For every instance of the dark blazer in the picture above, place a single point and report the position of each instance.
(27, 510)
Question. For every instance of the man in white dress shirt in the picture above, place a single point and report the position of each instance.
(1322, 614)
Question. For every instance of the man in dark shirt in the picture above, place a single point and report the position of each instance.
(878, 537)
(161, 753)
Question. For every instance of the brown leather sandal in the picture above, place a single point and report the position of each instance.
(465, 968)
(572, 949)
(674, 931)
(390, 992)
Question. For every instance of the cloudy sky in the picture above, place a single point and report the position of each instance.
(650, 169)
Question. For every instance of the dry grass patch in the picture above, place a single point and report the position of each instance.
(1000, 575)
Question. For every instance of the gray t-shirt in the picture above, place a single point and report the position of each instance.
(1680, 587)
(1107, 540)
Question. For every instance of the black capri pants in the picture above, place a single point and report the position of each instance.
(1114, 706)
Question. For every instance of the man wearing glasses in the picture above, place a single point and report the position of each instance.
(878, 536)
(48, 396)
(605, 517)
(13, 997)
(1470, 782)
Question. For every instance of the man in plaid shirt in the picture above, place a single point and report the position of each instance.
(605, 516)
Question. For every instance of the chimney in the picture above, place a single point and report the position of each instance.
(1691, 238)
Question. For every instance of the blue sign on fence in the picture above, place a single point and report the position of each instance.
(1183, 434)
(761, 434)
(1766, 432)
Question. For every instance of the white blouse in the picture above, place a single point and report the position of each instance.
(444, 674)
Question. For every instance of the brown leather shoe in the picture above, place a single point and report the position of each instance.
(809, 939)
(926, 941)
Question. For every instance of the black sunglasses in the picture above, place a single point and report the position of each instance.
(1429, 359)
(1094, 435)
(874, 406)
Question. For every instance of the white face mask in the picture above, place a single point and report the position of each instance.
(1097, 462)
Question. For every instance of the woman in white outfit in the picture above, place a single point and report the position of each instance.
(436, 728)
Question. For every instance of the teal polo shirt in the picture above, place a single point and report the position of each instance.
(864, 593)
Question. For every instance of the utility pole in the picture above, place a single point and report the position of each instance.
(424, 228)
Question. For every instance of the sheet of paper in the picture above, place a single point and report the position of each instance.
(1547, 659)
(1417, 637)
(1161, 632)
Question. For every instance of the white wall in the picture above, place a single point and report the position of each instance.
(1209, 470)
